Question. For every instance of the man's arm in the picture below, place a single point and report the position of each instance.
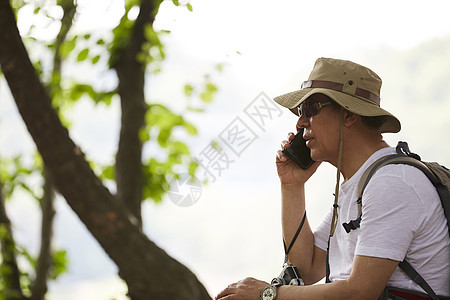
(367, 280)
(309, 259)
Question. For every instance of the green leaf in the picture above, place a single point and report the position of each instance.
(122, 33)
(144, 134)
(108, 173)
(83, 55)
(163, 136)
(78, 90)
(3, 232)
(215, 144)
(190, 128)
(193, 165)
(68, 47)
(104, 97)
(176, 2)
(188, 90)
(219, 67)
(155, 183)
(189, 7)
(59, 265)
(22, 251)
(180, 148)
(95, 59)
(208, 94)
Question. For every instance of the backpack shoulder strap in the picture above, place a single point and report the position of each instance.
(370, 171)
(437, 174)
(412, 273)
(394, 159)
(403, 156)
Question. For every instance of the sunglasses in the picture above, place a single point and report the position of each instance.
(309, 109)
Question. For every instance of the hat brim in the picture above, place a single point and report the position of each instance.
(355, 104)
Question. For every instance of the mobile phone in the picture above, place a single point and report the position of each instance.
(298, 152)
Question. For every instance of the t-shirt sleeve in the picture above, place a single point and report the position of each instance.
(391, 215)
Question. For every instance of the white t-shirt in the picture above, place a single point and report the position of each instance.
(402, 216)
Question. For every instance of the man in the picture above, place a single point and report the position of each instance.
(402, 217)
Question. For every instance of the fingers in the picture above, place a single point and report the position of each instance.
(249, 288)
(291, 136)
(231, 289)
(224, 298)
(284, 144)
(281, 157)
(229, 292)
(225, 294)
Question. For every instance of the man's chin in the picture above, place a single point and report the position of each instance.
(313, 154)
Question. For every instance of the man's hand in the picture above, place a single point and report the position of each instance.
(288, 171)
(247, 289)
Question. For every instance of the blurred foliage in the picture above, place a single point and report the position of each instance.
(14, 175)
(100, 53)
(16, 178)
(161, 122)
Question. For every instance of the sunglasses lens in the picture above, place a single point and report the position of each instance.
(300, 110)
(308, 109)
(312, 109)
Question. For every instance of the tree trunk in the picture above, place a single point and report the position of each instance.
(148, 271)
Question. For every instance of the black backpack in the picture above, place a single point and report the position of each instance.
(439, 177)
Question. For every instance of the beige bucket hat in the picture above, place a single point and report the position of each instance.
(354, 87)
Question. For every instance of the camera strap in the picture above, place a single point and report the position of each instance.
(286, 251)
(334, 220)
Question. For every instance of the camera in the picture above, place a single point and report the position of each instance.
(288, 276)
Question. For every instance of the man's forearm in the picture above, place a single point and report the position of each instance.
(302, 254)
(368, 278)
(336, 290)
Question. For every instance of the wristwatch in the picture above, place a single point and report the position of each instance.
(269, 293)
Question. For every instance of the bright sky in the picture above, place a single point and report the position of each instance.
(234, 230)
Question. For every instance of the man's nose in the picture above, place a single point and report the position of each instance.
(302, 122)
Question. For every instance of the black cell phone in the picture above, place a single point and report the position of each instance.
(298, 152)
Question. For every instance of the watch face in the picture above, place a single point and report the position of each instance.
(268, 293)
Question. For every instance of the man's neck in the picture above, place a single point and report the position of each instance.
(356, 154)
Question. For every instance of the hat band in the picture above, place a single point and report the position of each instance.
(339, 87)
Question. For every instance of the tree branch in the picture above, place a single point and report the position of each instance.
(131, 73)
(10, 270)
(69, 10)
(47, 202)
(45, 255)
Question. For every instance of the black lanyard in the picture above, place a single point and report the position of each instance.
(286, 251)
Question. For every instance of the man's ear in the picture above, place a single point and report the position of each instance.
(350, 118)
